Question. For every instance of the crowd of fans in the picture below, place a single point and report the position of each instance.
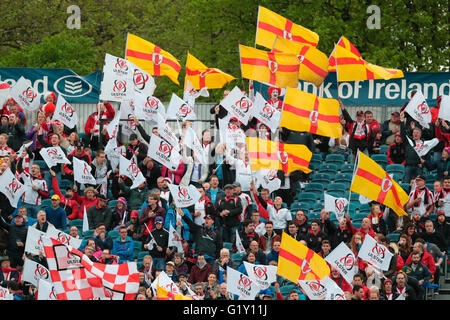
(122, 218)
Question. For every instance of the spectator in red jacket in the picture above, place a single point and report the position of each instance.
(70, 205)
(201, 270)
(88, 200)
(336, 276)
(104, 110)
(426, 258)
(396, 153)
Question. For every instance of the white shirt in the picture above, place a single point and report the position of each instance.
(32, 197)
(279, 217)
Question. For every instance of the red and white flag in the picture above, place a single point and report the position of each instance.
(82, 172)
(53, 156)
(76, 277)
(375, 254)
(25, 95)
(344, 260)
(262, 275)
(238, 105)
(175, 239)
(130, 169)
(148, 108)
(423, 147)
(184, 196)
(266, 113)
(117, 83)
(163, 152)
(180, 110)
(45, 290)
(241, 285)
(65, 113)
(336, 205)
(11, 187)
(33, 272)
(323, 289)
(418, 109)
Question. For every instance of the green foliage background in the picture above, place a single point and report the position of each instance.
(414, 35)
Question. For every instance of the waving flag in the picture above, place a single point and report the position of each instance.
(266, 154)
(265, 112)
(184, 196)
(190, 94)
(238, 105)
(239, 245)
(344, 260)
(163, 152)
(303, 111)
(267, 179)
(54, 155)
(313, 62)
(262, 275)
(11, 187)
(345, 43)
(25, 95)
(180, 110)
(130, 169)
(75, 277)
(419, 110)
(375, 254)
(371, 181)
(46, 291)
(82, 172)
(148, 108)
(271, 24)
(175, 239)
(33, 272)
(322, 289)
(200, 76)
(152, 58)
(423, 147)
(297, 262)
(191, 141)
(241, 285)
(350, 67)
(278, 69)
(65, 113)
(117, 83)
(33, 244)
(444, 109)
(336, 205)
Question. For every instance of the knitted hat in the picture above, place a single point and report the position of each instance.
(50, 94)
(49, 107)
(123, 200)
(270, 90)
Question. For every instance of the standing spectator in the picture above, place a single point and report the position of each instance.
(430, 235)
(66, 201)
(32, 134)
(5, 150)
(413, 163)
(396, 153)
(258, 225)
(33, 195)
(101, 169)
(16, 132)
(336, 276)
(104, 110)
(266, 240)
(136, 196)
(360, 133)
(229, 209)
(426, 258)
(42, 224)
(133, 226)
(55, 141)
(390, 128)
(28, 220)
(418, 271)
(401, 287)
(421, 199)
(159, 251)
(315, 236)
(56, 215)
(371, 121)
(203, 207)
(279, 215)
(100, 213)
(272, 256)
(17, 236)
(80, 154)
(247, 235)
(149, 214)
(376, 217)
(123, 246)
(442, 197)
(442, 226)
(136, 148)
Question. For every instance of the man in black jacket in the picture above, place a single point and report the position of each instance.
(229, 208)
(206, 237)
(17, 233)
(397, 151)
(160, 238)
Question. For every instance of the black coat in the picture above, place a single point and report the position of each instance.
(17, 233)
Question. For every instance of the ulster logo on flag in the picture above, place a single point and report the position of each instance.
(183, 193)
(165, 148)
(68, 110)
(184, 110)
(152, 103)
(157, 58)
(41, 272)
(260, 272)
(63, 238)
(204, 73)
(348, 262)
(243, 104)
(300, 58)
(140, 79)
(386, 184)
(306, 267)
(283, 157)
(29, 94)
(120, 86)
(423, 108)
(339, 205)
(287, 35)
(273, 66)
(121, 64)
(314, 116)
(315, 286)
(379, 251)
(14, 186)
(244, 281)
(268, 110)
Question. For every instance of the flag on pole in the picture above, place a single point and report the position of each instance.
(351, 67)
(184, 196)
(25, 95)
(148, 107)
(303, 111)
(175, 239)
(241, 285)
(65, 113)
(265, 112)
(162, 151)
(190, 94)
(371, 181)
(180, 110)
(297, 262)
(313, 62)
(200, 76)
(152, 58)
(130, 169)
(344, 260)
(82, 172)
(266, 154)
(276, 68)
(45, 290)
(117, 83)
(375, 254)
(271, 24)
(239, 245)
(262, 275)
(238, 105)
(54, 155)
(322, 289)
(423, 147)
(345, 43)
(335, 205)
(419, 110)
(267, 179)
(33, 272)
(85, 221)
(11, 187)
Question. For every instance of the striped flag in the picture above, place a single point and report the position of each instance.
(313, 62)
(303, 111)
(345, 43)
(351, 67)
(371, 181)
(151, 58)
(266, 154)
(200, 76)
(297, 262)
(271, 24)
(278, 69)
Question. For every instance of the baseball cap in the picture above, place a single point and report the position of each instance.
(133, 136)
(78, 145)
(134, 214)
(55, 196)
(395, 113)
(208, 216)
(421, 177)
(159, 219)
(439, 212)
(229, 186)
(171, 263)
(101, 196)
(387, 280)
(236, 184)
(360, 113)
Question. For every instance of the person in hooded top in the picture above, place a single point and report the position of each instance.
(315, 236)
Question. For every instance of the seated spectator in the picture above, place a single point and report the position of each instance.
(265, 242)
(223, 261)
(102, 239)
(123, 246)
(120, 214)
(179, 263)
(259, 254)
(133, 226)
(201, 270)
(272, 256)
(7, 273)
(85, 202)
(390, 128)
(170, 271)
(247, 235)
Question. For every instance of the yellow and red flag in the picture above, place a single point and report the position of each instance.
(267, 154)
(163, 294)
(345, 43)
(350, 67)
(303, 111)
(313, 62)
(371, 181)
(271, 24)
(297, 262)
(277, 69)
(151, 58)
(201, 76)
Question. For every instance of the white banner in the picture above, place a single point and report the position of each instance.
(64, 238)
(33, 272)
(117, 83)
(163, 152)
(5, 294)
(82, 172)
(238, 105)
(374, 253)
(191, 141)
(423, 147)
(231, 134)
(65, 113)
(180, 110)
(11, 187)
(131, 170)
(184, 196)
(143, 81)
(33, 244)
(418, 109)
(166, 132)
(344, 260)
(53, 155)
(46, 291)
(241, 285)
(444, 109)
(175, 239)
(267, 179)
(113, 127)
(127, 112)
(322, 289)
(239, 245)
(266, 113)
(190, 94)
(336, 205)
(25, 95)
(148, 108)
(261, 275)
(4, 92)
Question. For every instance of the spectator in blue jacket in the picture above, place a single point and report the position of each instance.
(123, 246)
(171, 219)
(56, 215)
(274, 253)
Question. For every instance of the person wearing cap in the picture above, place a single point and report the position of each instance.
(17, 236)
(120, 214)
(136, 148)
(170, 271)
(396, 152)
(274, 100)
(66, 200)
(161, 247)
(421, 199)
(78, 153)
(123, 246)
(133, 225)
(7, 273)
(228, 209)
(100, 213)
(359, 130)
(104, 110)
(390, 128)
(56, 215)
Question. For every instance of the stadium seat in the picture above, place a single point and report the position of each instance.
(65, 183)
(227, 245)
(316, 158)
(354, 197)
(347, 168)
(76, 222)
(141, 255)
(357, 224)
(112, 203)
(329, 168)
(384, 148)
(314, 215)
(237, 258)
(42, 164)
(337, 159)
(321, 177)
(46, 203)
(365, 207)
(339, 189)
(430, 177)
(88, 234)
(406, 187)
(113, 234)
(307, 196)
(316, 187)
(343, 177)
(393, 237)
(381, 159)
